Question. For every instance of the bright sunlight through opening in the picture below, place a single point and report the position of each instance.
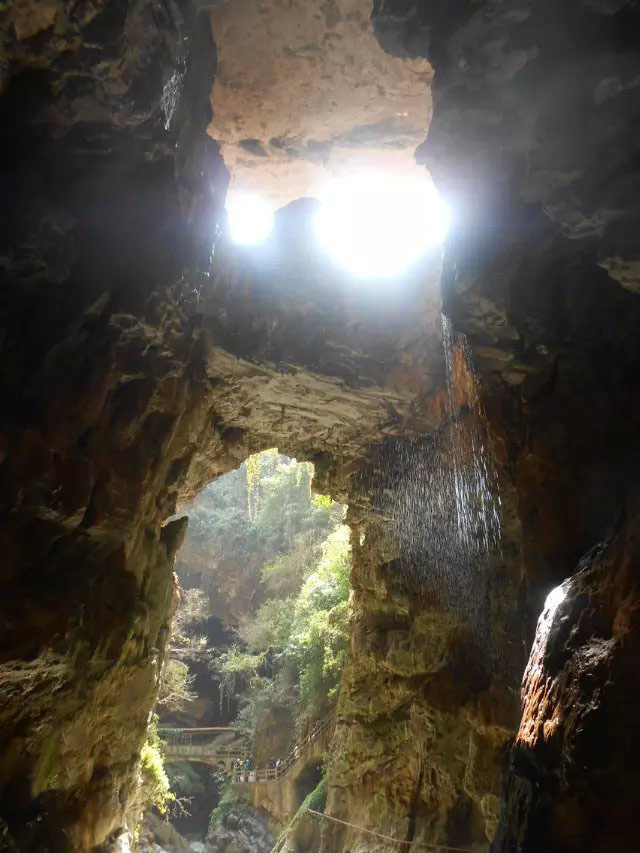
(378, 225)
(373, 224)
(250, 219)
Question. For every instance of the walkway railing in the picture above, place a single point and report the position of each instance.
(179, 744)
(182, 735)
(275, 774)
(190, 750)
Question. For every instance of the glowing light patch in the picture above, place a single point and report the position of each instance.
(540, 711)
(378, 225)
(250, 219)
(554, 599)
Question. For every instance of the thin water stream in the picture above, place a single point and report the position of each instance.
(440, 496)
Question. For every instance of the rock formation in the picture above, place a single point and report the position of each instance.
(283, 115)
(573, 773)
(136, 368)
(533, 140)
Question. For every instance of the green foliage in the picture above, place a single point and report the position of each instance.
(286, 510)
(192, 611)
(260, 701)
(317, 799)
(282, 511)
(264, 519)
(271, 626)
(185, 645)
(325, 501)
(237, 669)
(235, 662)
(302, 640)
(318, 638)
(284, 576)
(155, 788)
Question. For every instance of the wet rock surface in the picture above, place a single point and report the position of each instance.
(573, 771)
(98, 401)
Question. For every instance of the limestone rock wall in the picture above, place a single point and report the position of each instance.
(428, 700)
(533, 143)
(573, 772)
(102, 403)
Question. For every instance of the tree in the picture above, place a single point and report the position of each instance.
(186, 645)
(176, 688)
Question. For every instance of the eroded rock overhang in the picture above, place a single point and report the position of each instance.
(304, 93)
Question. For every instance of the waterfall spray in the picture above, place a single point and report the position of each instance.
(439, 494)
(474, 474)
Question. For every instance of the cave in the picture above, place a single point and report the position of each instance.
(309, 779)
(180, 291)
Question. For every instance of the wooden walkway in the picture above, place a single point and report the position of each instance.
(298, 753)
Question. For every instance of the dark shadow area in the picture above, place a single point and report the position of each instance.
(309, 779)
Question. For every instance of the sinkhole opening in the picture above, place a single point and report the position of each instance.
(372, 224)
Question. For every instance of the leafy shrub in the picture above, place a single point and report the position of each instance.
(155, 788)
(185, 780)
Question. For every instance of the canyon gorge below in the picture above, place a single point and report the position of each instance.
(441, 461)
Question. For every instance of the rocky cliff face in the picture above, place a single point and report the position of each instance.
(573, 774)
(135, 370)
(132, 375)
(533, 141)
(100, 401)
(241, 829)
(428, 698)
